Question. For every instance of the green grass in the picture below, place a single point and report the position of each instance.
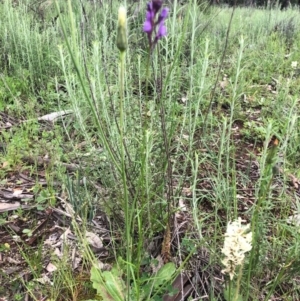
(189, 157)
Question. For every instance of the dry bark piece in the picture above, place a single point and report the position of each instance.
(5, 207)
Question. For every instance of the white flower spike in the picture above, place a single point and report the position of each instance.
(237, 242)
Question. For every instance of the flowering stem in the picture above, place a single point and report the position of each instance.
(148, 71)
(238, 284)
(122, 70)
(123, 165)
(229, 289)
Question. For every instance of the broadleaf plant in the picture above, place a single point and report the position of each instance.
(110, 286)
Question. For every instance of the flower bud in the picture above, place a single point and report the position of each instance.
(122, 32)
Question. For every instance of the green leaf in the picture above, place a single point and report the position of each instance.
(98, 284)
(108, 284)
(164, 274)
(114, 283)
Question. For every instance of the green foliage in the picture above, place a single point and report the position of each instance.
(110, 286)
(12, 92)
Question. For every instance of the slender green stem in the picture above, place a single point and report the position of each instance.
(238, 284)
(146, 135)
(123, 170)
(148, 73)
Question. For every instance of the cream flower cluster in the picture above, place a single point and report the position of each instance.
(294, 64)
(237, 242)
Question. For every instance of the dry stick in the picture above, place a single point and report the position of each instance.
(219, 71)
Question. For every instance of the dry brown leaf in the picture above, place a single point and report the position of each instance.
(44, 280)
(5, 164)
(224, 83)
(17, 192)
(182, 205)
(68, 207)
(186, 191)
(51, 267)
(294, 181)
(157, 267)
(94, 240)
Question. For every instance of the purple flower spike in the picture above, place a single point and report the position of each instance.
(154, 24)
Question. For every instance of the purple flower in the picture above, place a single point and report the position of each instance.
(148, 26)
(162, 30)
(151, 25)
(164, 14)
